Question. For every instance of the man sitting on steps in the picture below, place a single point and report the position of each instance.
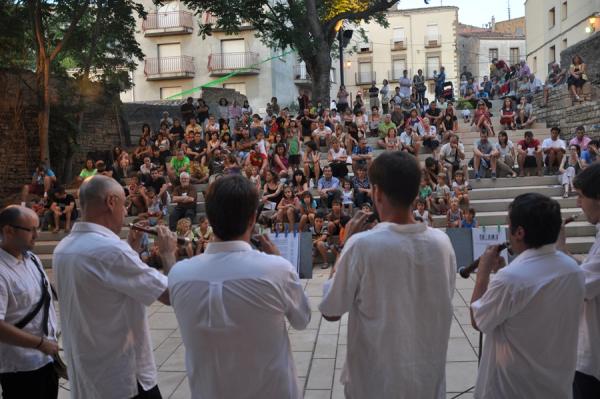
(529, 154)
(484, 156)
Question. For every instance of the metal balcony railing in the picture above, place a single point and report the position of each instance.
(433, 41)
(300, 73)
(157, 23)
(227, 62)
(365, 78)
(208, 18)
(169, 67)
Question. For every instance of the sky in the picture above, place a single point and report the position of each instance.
(470, 11)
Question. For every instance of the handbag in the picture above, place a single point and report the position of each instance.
(59, 366)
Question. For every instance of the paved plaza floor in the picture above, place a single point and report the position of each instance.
(319, 350)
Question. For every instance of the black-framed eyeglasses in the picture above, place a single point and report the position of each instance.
(28, 229)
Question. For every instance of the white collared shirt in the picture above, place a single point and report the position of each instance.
(103, 290)
(396, 282)
(231, 303)
(529, 314)
(588, 350)
(20, 291)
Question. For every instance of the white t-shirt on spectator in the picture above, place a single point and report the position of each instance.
(549, 143)
(588, 349)
(322, 133)
(103, 290)
(396, 282)
(530, 316)
(449, 154)
(231, 303)
(504, 151)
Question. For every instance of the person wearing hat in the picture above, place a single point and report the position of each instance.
(581, 139)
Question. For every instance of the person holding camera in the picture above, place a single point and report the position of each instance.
(529, 312)
(396, 281)
(28, 324)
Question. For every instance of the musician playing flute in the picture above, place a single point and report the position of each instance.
(587, 375)
(529, 312)
(103, 290)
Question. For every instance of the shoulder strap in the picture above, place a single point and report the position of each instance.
(43, 302)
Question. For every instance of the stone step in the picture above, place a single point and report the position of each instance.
(516, 182)
(498, 218)
(495, 205)
(50, 236)
(512, 192)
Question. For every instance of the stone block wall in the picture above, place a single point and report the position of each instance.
(562, 113)
(589, 50)
(19, 153)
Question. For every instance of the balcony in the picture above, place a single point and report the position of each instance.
(168, 23)
(220, 64)
(301, 76)
(398, 44)
(432, 41)
(165, 68)
(365, 78)
(208, 18)
(366, 47)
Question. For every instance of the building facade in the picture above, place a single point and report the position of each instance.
(554, 25)
(477, 49)
(421, 38)
(178, 59)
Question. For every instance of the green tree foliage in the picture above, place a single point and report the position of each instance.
(307, 26)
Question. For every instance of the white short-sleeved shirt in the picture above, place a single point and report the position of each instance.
(103, 290)
(588, 350)
(450, 154)
(549, 143)
(530, 315)
(231, 304)
(396, 282)
(20, 291)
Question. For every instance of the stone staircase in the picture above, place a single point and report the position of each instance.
(489, 198)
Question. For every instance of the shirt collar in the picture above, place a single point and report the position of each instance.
(402, 228)
(89, 227)
(227, 246)
(8, 258)
(531, 252)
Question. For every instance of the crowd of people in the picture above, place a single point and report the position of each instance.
(311, 168)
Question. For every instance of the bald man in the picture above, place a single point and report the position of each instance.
(27, 317)
(104, 289)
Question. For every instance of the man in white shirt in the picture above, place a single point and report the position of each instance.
(232, 301)
(27, 318)
(322, 134)
(104, 288)
(587, 376)
(530, 310)
(397, 282)
(452, 154)
(554, 148)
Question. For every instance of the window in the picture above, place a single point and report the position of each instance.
(551, 18)
(552, 54)
(564, 44)
(397, 67)
(166, 92)
(399, 35)
(563, 14)
(493, 53)
(365, 73)
(433, 65)
(514, 55)
(169, 50)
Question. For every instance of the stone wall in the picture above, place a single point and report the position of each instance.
(19, 153)
(563, 113)
(589, 50)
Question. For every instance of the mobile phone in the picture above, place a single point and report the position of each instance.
(373, 217)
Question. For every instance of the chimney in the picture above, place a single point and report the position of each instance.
(493, 24)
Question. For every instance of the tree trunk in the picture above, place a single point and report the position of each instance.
(319, 68)
(43, 80)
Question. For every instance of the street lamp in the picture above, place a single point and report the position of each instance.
(344, 37)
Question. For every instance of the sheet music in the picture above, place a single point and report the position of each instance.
(289, 247)
(486, 236)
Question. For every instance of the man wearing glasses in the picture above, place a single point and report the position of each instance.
(27, 319)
